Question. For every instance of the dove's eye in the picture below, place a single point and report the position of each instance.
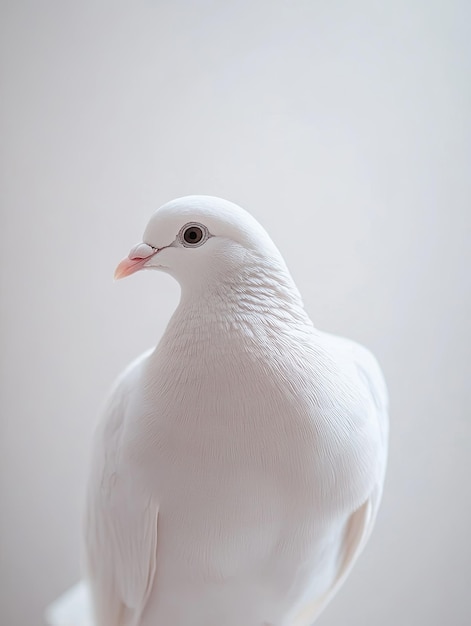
(192, 235)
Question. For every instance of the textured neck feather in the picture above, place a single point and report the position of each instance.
(257, 302)
(257, 289)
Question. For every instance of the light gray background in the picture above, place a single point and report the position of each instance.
(344, 127)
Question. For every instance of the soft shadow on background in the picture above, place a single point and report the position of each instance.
(344, 127)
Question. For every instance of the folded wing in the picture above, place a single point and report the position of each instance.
(121, 525)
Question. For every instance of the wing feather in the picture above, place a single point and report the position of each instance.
(361, 522)
(121, 523)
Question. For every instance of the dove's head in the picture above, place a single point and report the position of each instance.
(199, 239)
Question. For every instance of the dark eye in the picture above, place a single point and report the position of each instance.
(194, 234)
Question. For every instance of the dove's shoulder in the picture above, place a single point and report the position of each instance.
(374, 405)
(130, 376)
(364, 364)
(108, 429)
(371, 400)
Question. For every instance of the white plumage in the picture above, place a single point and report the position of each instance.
(238, 468)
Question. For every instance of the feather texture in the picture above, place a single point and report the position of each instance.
(238, 467)
(121, 524)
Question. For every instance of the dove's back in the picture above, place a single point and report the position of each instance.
(238, 470)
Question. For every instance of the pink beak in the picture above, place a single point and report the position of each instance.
(135, 260)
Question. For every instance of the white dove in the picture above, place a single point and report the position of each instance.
(238, 468)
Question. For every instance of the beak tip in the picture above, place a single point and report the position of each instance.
(119, 273)
(133, 262)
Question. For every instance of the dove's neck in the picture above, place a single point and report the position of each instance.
(259, 291)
